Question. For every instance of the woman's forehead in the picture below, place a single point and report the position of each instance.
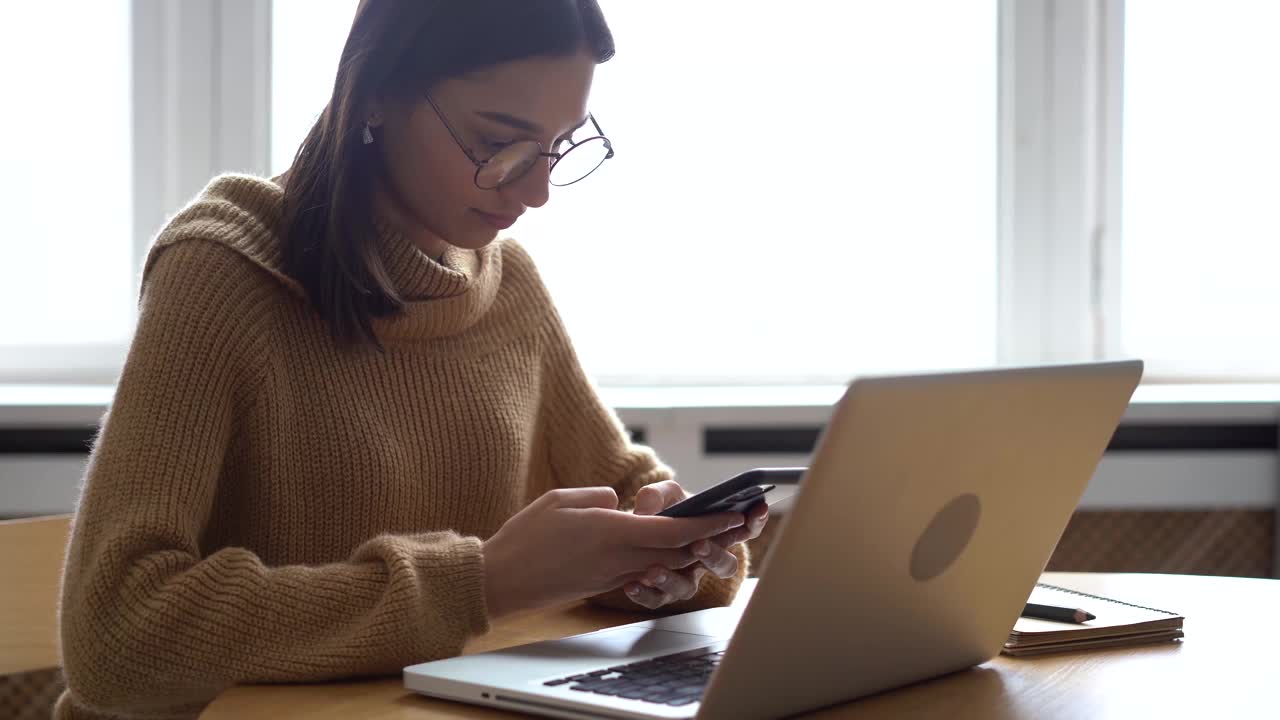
(550, 91)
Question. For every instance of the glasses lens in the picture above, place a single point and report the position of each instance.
(508, 164)
(579, 161)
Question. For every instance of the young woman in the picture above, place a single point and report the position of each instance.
(351, 429)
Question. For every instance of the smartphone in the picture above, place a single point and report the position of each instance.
(736, 494)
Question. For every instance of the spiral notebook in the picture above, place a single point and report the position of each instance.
(1117, 624)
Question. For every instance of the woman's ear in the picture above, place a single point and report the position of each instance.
(377, 113)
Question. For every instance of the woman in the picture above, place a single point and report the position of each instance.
(351, 430)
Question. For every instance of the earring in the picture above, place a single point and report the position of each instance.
(367, 137)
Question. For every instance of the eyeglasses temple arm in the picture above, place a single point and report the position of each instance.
(445, 121)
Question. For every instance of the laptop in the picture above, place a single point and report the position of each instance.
(931, 505)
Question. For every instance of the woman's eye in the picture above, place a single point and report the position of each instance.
(496, 145)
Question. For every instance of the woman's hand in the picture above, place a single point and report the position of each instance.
(574, 543)
(660, 585)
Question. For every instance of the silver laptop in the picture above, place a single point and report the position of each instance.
(930, 507)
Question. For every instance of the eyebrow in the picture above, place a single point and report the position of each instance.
(521, 123)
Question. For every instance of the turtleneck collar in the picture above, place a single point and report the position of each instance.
(442, 298)
(245, 214)
(419, 277)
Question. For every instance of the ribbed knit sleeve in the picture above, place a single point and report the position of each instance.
(152, 624)
(587, 444)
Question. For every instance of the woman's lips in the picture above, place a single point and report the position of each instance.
(501, 222)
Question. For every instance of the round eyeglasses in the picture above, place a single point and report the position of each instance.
(512, 161)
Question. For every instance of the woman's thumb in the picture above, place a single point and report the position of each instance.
(648, 501)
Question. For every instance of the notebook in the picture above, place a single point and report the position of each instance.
(1118, 624)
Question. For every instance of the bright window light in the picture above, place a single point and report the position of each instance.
(798, 195)
(1201, 180)
(66, 249)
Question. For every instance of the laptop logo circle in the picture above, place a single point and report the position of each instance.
(947, 535)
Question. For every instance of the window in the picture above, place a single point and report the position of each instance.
(806, 195)
(798, 196)
(306, 41)
(66, 248)
(1201, 236)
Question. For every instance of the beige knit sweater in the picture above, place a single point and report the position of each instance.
(263, 506)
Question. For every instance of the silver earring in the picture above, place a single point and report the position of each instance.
(367, 137)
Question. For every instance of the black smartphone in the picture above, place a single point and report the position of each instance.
(737, 493)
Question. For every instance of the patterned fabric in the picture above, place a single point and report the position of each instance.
(1207, 542)
(28, 696)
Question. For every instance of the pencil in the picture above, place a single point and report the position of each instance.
(1053, 612)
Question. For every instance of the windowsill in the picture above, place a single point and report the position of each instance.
(83, 405)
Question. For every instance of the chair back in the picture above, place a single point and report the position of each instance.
(31, 557)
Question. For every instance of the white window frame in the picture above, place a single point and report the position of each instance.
(1060, 117)
(204, 67)
(202, 97)
(202, 70)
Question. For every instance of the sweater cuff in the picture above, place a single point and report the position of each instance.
(460, 568)
(437, 580)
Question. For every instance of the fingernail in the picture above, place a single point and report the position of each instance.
(702, 548)
(659, 578)
(633, 590)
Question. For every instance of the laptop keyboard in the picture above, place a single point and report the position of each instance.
(676, 680)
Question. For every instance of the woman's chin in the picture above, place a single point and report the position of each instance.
(475, 238)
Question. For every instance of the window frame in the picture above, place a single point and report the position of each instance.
(201, 78)
(202, 71)
(1060, 107)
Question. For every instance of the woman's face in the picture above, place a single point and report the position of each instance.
(429, 185)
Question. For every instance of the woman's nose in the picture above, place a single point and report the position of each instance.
(533, 189)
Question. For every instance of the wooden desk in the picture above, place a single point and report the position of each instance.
(1225, 667)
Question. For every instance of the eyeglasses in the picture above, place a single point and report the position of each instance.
(513, 160)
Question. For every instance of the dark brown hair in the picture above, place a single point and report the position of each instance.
(397, 49)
